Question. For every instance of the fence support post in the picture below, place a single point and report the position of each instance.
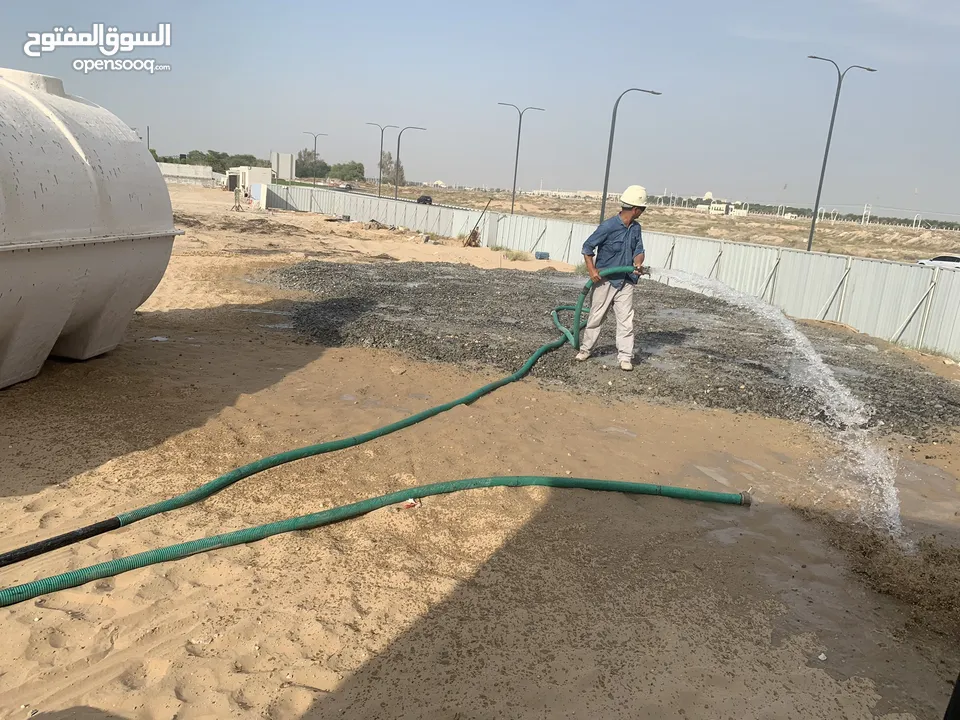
(716, 262)
(903, 325)
(669, 263)
(843, 291)
(926, 309)
(770, 276)
(566, 252)
(826, 306)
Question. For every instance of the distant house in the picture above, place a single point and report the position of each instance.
(244, 177)
(439, 184)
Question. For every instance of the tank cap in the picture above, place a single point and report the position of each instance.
(34, 81)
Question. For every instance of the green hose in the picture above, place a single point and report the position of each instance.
(30, 590)
(10, 596)
(224, 481)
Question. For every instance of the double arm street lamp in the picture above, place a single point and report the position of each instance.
(613, 126)
(380, 158)
(826, 152)
(315, 158)
(516, 161)
(396, 167)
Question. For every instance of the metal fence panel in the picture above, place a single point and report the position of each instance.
(448, 222)
(881, 295)
(806, 281)
(696, 255)
(747, 267)
(942, 319)
(656, 249)
(874, 296)
(519, 232)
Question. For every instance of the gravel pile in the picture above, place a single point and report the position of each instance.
(690, 348)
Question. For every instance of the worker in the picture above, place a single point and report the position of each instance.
(618, 242)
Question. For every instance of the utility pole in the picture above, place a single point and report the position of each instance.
(516, 161)
(613, 126)
(826, 152)
(380, 158)
(315, 158)
(396, 166)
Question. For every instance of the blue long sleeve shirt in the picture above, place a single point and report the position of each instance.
(615, 245)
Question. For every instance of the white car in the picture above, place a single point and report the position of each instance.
(949, 261)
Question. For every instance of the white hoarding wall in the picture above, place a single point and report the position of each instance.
(202, 175)
(914, 305)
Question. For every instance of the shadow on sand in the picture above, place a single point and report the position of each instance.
(593, 610)
(78, 713)
(173, 372)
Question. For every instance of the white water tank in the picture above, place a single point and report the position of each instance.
(86, 227)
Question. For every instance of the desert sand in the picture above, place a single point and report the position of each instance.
(514, 603)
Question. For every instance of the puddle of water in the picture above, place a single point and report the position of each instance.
(929, 497)
(751, 463)
(619, 431)
(714, 474)
(567, 281)
(260, 311)
(873, 470)
(685, 314)
(159, 338)
(652, 349)
(849, 372)
(664, 365)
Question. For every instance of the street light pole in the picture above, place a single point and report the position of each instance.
(315, 136)
(396, 166)
(613, 126)
(380, 159)
(826, 152)
(516, 161)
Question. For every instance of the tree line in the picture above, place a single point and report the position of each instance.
(311, 165)
(308, 166)
(219, 161)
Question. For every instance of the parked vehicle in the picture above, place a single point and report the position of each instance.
(425, 200)
(345, 186)
(950, 261)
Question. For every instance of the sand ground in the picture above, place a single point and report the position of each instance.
(514, 603)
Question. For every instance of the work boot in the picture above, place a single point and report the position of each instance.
(626, 365)
(582, 355)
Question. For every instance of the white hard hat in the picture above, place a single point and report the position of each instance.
(634, 196)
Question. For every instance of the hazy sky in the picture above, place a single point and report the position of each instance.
(743, 112)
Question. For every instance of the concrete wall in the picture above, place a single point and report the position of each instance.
(284, 165)
(187, 174)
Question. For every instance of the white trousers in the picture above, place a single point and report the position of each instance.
(604, 296)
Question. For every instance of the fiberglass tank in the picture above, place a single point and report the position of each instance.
(86, 227)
